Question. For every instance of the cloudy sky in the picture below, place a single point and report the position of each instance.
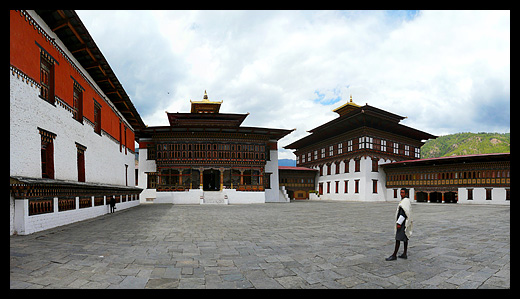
(447, 71)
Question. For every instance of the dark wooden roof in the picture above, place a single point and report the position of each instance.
(275, 134)
(450, 160)
(364, 116)
(206, 119)
(67, 25)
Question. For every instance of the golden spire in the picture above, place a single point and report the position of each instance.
(205, 96)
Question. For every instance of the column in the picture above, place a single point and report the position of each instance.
(221, 178)
(201, 170)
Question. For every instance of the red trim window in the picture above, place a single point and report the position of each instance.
(81, 161)
(46, 78)
(97, 117)
(47, 153)
(78, 103)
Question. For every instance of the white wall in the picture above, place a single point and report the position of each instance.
(104, 163)
(146, 166)
(25, 224)
(365, 177)
(273, 194)
(498, 196)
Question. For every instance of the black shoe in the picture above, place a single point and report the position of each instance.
(391, 258)
(403, 256)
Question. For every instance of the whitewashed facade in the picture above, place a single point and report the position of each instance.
(90, 163)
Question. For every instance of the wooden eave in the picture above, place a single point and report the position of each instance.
(365, 116)
(67, 25)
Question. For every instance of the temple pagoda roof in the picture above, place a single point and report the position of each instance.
(206, 118)
(353, 116)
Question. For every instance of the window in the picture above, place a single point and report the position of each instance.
(356, 186)
(337, 167)
(47, 153)
(303, 158)
(80, 149)
(309, 157)
(329, 166)
(375, 164)
(328, 187)
(337, 186)
(357, 165)
(418, 152)
(361, 142)
(488, 193)
(125, 141)
(396, 148)
(395, 193)
(315, 155)
(78, 102)
(323, 152)
(340, 148)
(370, 142)
(347, 165)
(374, 186)
(120, 138)
(349, 145)
(407, 150)
(470, 194)
(383, 145)
(331, 151)
(267, 180)
(46, 78)
(151, 180)
(346, 186)
(97, 117)
(150, 152)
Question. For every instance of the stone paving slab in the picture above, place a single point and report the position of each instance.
(306, 244)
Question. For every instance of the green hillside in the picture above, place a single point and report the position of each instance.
(466, 144)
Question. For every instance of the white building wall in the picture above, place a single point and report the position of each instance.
(273, 194)
(365, 177)
(148, 195)
(498, 196)
(104, 163)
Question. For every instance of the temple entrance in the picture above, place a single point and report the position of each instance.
(211, 180)
(421, 196)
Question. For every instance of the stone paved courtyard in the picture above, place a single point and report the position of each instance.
(306, 244)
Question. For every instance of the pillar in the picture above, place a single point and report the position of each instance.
(221, 178)
(201, 170)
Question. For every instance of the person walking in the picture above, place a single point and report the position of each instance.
(112, 204)
(404, 225)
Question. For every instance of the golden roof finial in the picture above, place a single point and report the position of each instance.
(351, 98)
(205, 96)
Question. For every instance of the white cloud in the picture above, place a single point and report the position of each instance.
(447, 71)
